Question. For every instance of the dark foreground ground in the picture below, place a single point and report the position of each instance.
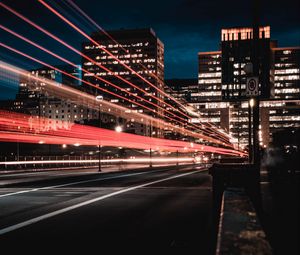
(281, 211)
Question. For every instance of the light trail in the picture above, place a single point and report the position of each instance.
(76, 7)
(119, 161)
(120, 62)
(81, 12)
(74, 77)
(69, 93)
(78, 52)
(99, 88)
(54, 37)
(20, 128)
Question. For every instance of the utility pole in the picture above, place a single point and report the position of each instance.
(250, 150)
(255, 62)
(99, 98)
(99, 146)
(255, 186)
(150, 152)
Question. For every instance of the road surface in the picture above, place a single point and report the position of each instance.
(163, 209)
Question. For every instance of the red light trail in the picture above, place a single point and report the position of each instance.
(86, 57)
(70, 47)
(121, 63)
(89, 101)
(73, 64)
(16, 127)
(76, 7)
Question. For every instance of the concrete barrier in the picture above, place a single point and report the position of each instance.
(239, 229)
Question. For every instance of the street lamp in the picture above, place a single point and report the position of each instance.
(118, 129)
(251, 104)
(99, 98)
(150, 151)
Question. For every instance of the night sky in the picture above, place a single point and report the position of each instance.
(186, 27)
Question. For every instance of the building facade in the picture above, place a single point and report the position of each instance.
(286, 73)
(222, 82)
(141, 51)
(209, 77)
(237, 46)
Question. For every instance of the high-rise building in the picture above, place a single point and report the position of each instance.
(143, 52)
(209, 77)
(287, 73)
(221, 94)
(237, 46)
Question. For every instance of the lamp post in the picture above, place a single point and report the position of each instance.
(255, 61)
(99, 98)
(250, 150)
(119, 129)
(150, 151)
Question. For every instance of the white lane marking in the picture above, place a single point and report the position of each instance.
(74, 183)
(80, 182)
(88, 202)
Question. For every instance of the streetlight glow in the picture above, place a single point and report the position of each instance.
(118, 129)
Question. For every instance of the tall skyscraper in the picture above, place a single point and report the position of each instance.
(143, 52)
(209, 76)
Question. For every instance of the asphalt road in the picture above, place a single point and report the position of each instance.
(161, 211)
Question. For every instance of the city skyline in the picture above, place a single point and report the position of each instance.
(155, 126)
(183, 35)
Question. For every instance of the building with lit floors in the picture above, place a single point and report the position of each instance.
(221, 99)
(286, 73)
(209, 77)
(237, 46)
(140, 50)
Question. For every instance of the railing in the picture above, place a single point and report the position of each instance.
(26, 162)
(43, 162)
